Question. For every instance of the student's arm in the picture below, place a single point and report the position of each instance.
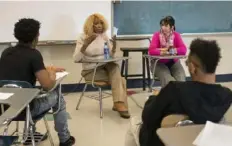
(154, 108)
(78, 55)
(180, 46)
(155, 45)
(46, 78)
(113, 45)
(81, 45)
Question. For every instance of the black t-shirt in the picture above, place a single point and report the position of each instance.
(20, 63)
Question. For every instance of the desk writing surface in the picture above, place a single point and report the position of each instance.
(179, 136)
(165, 56)
(104, 60)
(18, 101)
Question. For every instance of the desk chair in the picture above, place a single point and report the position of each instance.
(29, 125)
(98, 85)
(145, 63)
(95, 83)
(152, 68)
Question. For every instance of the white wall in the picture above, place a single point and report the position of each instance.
(62, 55)
(60, 20)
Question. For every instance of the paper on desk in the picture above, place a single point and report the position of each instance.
(214, 135)
(4, 96)
(60, 75)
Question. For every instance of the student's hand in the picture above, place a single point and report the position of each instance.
(51, 67)
(55, 69)
(59, 69)
(105, 37)
(164, 52)
(52, 72)
(163, 49)
(113, 40)
(90, 39)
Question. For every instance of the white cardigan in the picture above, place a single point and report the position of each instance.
(95, 50)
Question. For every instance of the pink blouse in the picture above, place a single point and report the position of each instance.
(155, 46)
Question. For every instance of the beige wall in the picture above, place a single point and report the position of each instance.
(62, 56)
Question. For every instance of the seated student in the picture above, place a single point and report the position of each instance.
(24, 63)
(90, 45)
(164, 40)
(200, 99)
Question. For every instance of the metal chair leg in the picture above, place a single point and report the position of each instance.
(80, 99)
(31, 126)
(100, 102)
(16, 129)
(32, 135)
(153, 75)
(6, 130)
(48, 131)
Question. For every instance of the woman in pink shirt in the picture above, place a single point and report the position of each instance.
(164, 42)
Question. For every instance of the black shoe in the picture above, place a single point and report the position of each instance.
(69, 142)
(37, 136)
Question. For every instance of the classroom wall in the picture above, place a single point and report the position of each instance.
(63, 20)
(62, 55)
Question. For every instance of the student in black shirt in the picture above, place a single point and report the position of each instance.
(24, 63)
(201, 99)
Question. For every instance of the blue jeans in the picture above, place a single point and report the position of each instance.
(41, 105)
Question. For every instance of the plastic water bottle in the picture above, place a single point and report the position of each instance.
(172, 50)
(106, 51)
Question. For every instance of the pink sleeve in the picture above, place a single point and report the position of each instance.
(180, 46)
(155, 44)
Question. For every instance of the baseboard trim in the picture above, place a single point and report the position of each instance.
(133, 83)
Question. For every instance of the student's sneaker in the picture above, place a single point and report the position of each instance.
(69, 142)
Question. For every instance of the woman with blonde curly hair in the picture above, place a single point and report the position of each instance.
(90, 45)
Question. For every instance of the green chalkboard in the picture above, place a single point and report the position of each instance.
(143, 17)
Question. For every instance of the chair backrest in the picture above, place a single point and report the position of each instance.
(14, 84)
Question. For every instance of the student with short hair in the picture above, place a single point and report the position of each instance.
(24, 62)
(200, 99)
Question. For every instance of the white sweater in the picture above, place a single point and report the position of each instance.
(95, 50)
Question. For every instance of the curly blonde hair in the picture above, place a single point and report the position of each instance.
(88, 26)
